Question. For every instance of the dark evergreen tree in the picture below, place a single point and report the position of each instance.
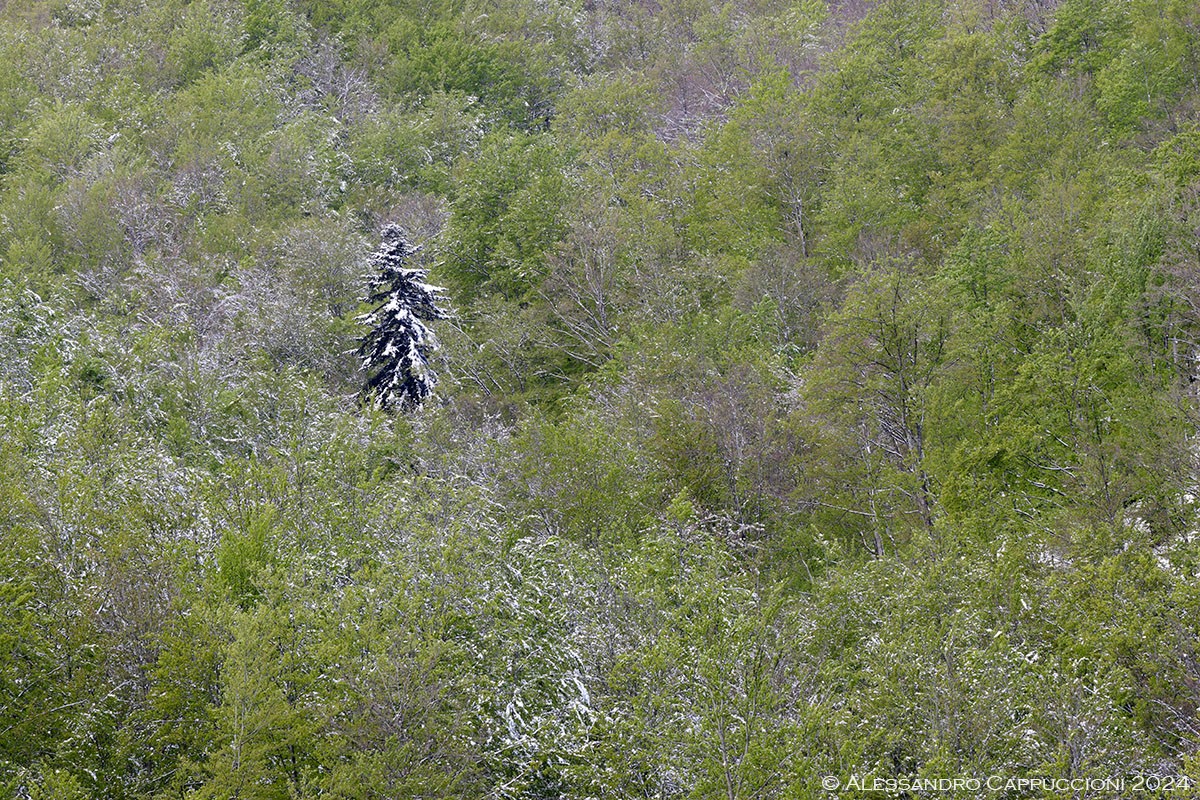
(395, 352)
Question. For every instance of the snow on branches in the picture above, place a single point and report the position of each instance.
(395, 352)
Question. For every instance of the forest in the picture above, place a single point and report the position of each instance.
(806, 395)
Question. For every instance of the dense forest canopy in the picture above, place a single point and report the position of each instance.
(817, 397)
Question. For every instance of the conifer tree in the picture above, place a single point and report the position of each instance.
(395, 352)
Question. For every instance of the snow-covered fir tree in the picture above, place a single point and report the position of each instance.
(395, 352)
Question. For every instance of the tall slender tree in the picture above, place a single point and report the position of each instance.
(395, 351)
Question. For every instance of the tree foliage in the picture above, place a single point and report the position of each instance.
(820, 398)
(395, 352)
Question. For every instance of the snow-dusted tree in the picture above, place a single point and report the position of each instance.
(395, 351)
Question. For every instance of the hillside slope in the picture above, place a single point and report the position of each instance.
(818, 397)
